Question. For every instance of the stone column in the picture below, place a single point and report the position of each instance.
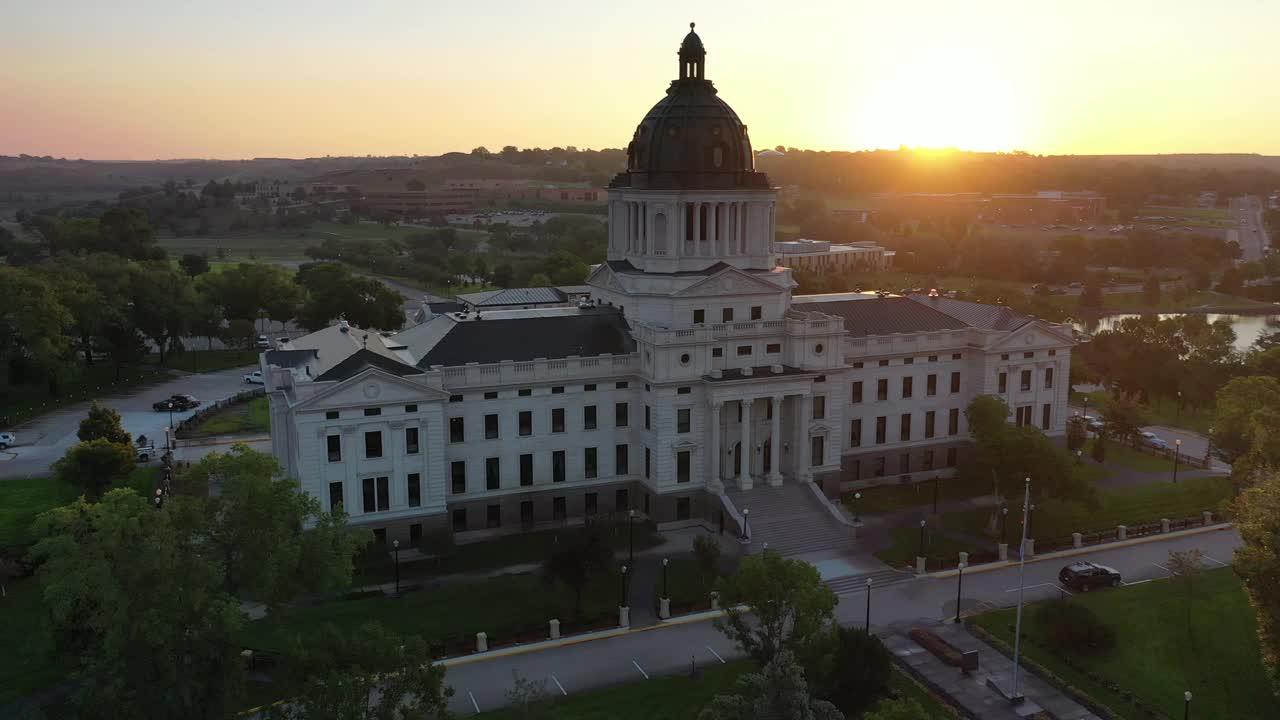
(716, 452)
(775, 442)
(631, 237)
(744, 474)
(712, 245)
(803, 471)
(697, 229)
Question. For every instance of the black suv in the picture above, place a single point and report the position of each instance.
(180, 402)
(1083, 576)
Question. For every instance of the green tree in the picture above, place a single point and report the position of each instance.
(1124, 418)
(95, 465)
(777, 692)
(789, 605)
(1008, 454)
(586, 556)
(138, 612)
(1240, 411)
(194, 264)
(1265, 362)
(102, 422)
(1076, 436)
(163, 300)
(333, 291)
(901, 709)
(1091, 295)
(987, 416)
(126, 232)
(851, 670)
(1257, 561)
(33, 325)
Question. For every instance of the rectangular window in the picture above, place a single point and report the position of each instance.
(526, 469)
(957, 356)
(686, 390)
(491, 395)
(648, 420)
(410, 409)
(414, 483)
(904, 427)
(589, 463)
(717, 352)
(493, 516)
(620, 385)
(458, 477)
(726, 315)
(331, 415)
(819, 407)
(909, 361)
(621, 460)
(933, 358)
(373, 444)
(335, 495)
(1022, 415)
(590, 504)
(526, 513)
(490, 427)
(879, 468)
(929, 418)
(1048, 378)
(557, 390)
(590, 387)
(559, 509)
(904, 463)
(955, 382)
(524, 392)
(557, 466)
(1026, 380)
(557, 420)
(682, 508)
(335, 448)
(455, 398)
(907, 386)
(931, 385)
(372, 412)
(683, 473)
(744, 350)
(699, 316)
(857, 366)
(1028, 355)
(884, 363)
(773, 348)
(881, 423)
(384, 493)
(1002, 383)
(757, 312)
(526, 423)
(953, 421)
(648, 465)
(816, 450)
(492, 474)
(411, 440)
(456, 433)
(928, 459)
(856, 392)
(683, 422)
(460, 520)
(1046, 415)
(855, 432)
(951, 457)
(882, 389)
(621, 415)
(589, 417)
(369, 496)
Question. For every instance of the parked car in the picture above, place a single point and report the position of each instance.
(146, 450)
(263, 342)
(255, 378)
(1150, 439)
(1082, 576)
(7, 439)
(179, 402)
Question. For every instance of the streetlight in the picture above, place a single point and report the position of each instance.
(170, 413)
(867, 626)
(959, 583)
(1004, 523)
(745, 527)
(622, 598)
(1177, 452)
(159, 499)
(395, 544)
(664, 578)
(1086, 411)
(922, 524)
(1078, 454)
(1186, 705)
(631, 536)
(856, 497)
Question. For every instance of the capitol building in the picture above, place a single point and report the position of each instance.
(690, 378)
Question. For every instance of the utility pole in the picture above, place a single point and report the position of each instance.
(1022, 566)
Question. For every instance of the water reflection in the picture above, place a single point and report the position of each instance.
(1247, 327)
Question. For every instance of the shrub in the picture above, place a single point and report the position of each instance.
(706, 550)
(1073, 629)
(853, 672)
(938, 647)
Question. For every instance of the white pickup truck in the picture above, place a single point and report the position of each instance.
(7, 439)
(255, 378)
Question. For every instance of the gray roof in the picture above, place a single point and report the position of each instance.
(514, 296)
(584, 333)
(884, 316)
(355, 363)
(987, 317)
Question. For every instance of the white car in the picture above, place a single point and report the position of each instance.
(255, 378)
(263, 342)
(7, 439)
(1150, 439)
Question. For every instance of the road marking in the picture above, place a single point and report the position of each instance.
(642, 672)
(713, 652)
(1214, 559)
(1049, 585)
(1139, 582)
(474, 704)
(557, 682)
(1164, 568)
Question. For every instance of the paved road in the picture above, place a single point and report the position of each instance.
(1246, 213)
(44, 440)
(1193, 444)
(635, 657)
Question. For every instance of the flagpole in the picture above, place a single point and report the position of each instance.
(1022, 565)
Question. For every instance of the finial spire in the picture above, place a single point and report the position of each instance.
(691, 26)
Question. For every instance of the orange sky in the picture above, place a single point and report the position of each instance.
(141, 79)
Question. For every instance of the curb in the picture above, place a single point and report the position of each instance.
(1081, 550)
(224, 440)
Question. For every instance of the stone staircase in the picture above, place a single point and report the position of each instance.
(857, 583)
(791, 521)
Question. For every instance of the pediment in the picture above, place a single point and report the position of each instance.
(730, 281)
(371, 387)
(1032, 335)
(605, 279)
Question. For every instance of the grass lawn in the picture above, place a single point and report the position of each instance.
(686, 586)
(207, 360)
(264, 245)
(1132, 458)
(1135, 301)
(1166, 644)
(22, 500)
(27, 663)
(887, 498)
(253, 416)
(906, 545)
(1161, 411)
(19, 403)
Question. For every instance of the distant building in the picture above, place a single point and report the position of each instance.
(822, 257)
(1039, 208)
(421, 202)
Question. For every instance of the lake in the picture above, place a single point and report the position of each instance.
(1247, 327)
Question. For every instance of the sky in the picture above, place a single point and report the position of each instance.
(148, 79)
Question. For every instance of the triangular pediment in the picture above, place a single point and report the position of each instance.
(604, 278)
(1034, 334)
(729, 281)
(371, 387)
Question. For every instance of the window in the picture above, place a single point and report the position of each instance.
(455, 398)
(526, 469)
(558, 509)
(773, 348)
(855, 432)
(1002, 384)
(331, 415)
(955, 382)
(757, 312)
(492, 474)
(699, 316)
(884, 363)
(411, 440)
(648, 466)
(929, 418)
(380, 536)
(335, 495)
(620, 385)
(951, 457)
(524, 392)
(717, 352)
(1046, 415)
(904, 463)
(957, 356)
(744, 350)
(458, 477)
(372, 412)
(589, 417)
(684, 360)
(820, 378)
(590, 387)
(1004, 356)
(682, 466)
(684, 390)
(590, 504)
(881, 423)
(682, 420)
(928, 459)
(414, 483)
(726, 315)
(557, 390)
(589, 463)
(931, 385)
(526, 513)
(1048, 378)
(904, 428)
(410, 409)
(879, 469)
(1028, 355)
(882, 389)
(460, 520)
(933, 358)
(1026, 380)
(557, 466)
(909, 361)
(953, 421)
(647, 417)
(621, 460)
(491, 395)
(373, 444)
(621, 415)
(526, 423)
(377, 494)
(493, 516)
(816, 450)
(1053, 353)
(335, 448)
(819, 407)
(557, 420)
(456, 433)
(817, 349)
(1022, 415)
(682, 508)
(856, 393)
(857, 366)
(907, 383)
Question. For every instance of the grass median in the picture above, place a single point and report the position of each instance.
(250, 416)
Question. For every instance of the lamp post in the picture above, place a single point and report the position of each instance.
(1004, 524)
(395, 546)
(1177, 410)
(1086, 411)
(1186, 705)
(867, 626)
(170, 421)
(1177, 452)
(664, 578)
(856, 497)
(622, 597)
(631, 536)
(746, 532)
(1079, 453)
(1022, 565)
(959, 584)
(159, 499)
(922, 524)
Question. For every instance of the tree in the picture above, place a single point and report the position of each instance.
(1099, 450)
(1231, 282)
(126, 232)
(333, 291)
(1265, 362)
(1008, 454)
(163, 299)
(255, 528)
(136, 606)
(1151, 290)
(900, 709)
(1124, 418)
(852, 670)
(95, 465)
(194, 264)
(1091, 295)
(1257, 561)
(777, 692)
(33, 325)
(10, 569)
(789, 605)
(503, 274)
(706, 552)
(580, 560)
(987, 416)
(1187, 568)
(102, 422)
(1244, 407)
(1076, 436)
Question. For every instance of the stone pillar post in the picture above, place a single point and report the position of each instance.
(715, 600)
(1031, 547)
(664, 608)
(482, 642)
(1003, 551)
(1208, 517)
(624, 616)
(1077, 540)
(1122, 532)
(553, 630)
(716, 452)
(1164, 525)
(744, 474)
(775, 442)
(920, 565)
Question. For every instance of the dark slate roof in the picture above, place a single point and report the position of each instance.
(884, 316)
(763, 372)
(585, 333)
(364, 358)
(290, 358)
(447, 306)
(987, 317)
(523, 296)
